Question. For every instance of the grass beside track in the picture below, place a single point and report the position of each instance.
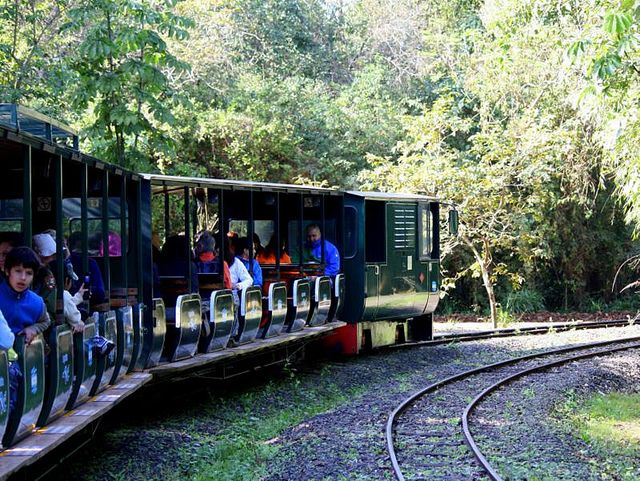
(610, 424)
(245, 448)
(221, 435)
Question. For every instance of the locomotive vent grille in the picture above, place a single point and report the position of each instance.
(404, 228)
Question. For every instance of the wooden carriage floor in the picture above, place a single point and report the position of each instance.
(46, 439)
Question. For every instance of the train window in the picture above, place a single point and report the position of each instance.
(424, 222)
(350, 232)
(264, 228)
(293, 235)
(375, 231)
(11, 215)
(95, 236)
(72, 212)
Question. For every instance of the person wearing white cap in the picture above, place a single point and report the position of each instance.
(44, 282)
(45, 247)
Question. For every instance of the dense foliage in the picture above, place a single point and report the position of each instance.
(520, 112)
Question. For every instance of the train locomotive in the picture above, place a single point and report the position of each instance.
(385, 293)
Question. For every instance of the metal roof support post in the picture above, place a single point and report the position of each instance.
(124, 232)
(301, 240)
(250, 230)
(27, 226)
(277, 228)
(324, 231)
(223, 234)
(139, 263)
(105, 232)
(167, 213)
(84, 219)
(187, 233)
(59, 274)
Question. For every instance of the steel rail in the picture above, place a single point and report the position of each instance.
(391, 421)
(514, 331)
(466, 432)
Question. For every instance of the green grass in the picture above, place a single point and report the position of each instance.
(248, 444)
(610, 423)
(613, 419)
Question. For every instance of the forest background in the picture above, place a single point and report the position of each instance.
(523, 113)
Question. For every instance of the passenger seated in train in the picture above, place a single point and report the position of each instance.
(115, 245)
(6, 336)
(155, 246)
(44, 281)
(72, 314)
(313, 251)
(268, 256)
(232, 240)
(258, 248)
(239, 277)
(6, 343)
(95, 286)
(252, 265)
(94, 243)
(206, 258)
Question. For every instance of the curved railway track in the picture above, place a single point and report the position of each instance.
(428, 434)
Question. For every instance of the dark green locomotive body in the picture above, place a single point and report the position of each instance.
(391, 266)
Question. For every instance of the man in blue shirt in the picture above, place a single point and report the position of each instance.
(314, 246)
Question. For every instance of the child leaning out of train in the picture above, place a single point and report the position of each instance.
(72, 315)
(23, 309)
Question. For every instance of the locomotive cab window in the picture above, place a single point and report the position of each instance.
(375, 231)
(425, 220)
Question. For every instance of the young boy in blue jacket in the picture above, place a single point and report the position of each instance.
(24, 310)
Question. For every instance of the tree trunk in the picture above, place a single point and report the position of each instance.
(485, 260)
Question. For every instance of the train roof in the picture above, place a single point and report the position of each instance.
(390, 196)
(25, 120)
(161, 182)
(28, 127)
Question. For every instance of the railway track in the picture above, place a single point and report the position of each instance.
(428, 435)
(514, 331)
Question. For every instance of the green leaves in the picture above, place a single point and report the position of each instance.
(617, 23)
(606, 65)
(120, 65)
(578, 48)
